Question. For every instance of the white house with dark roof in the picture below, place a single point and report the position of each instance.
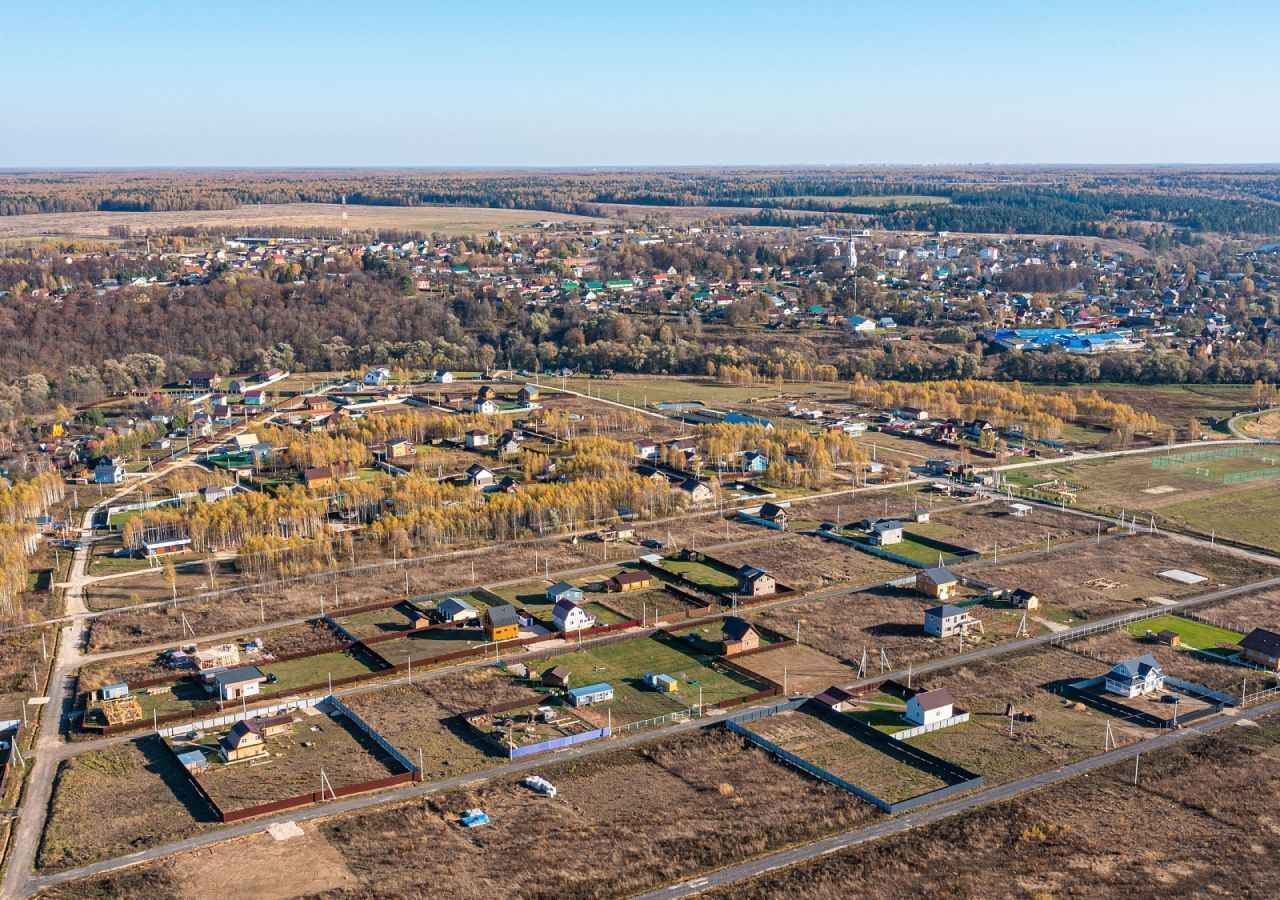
(1135, 677)
(928, 707)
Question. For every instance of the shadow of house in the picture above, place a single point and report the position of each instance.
(162, 762)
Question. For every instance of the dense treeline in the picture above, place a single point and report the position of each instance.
(1056, 201)
(20, 503)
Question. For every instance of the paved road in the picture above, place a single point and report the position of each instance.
(927, 815)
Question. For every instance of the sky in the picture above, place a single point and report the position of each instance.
(88, 83)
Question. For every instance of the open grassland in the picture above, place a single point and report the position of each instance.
(888, 619)
(1177, 495)
(808, 563)
(1204, 805)
(1094, 579)
(304, 217)
(1062, 731)
(819, 742)
(424, 716)
(1173, 405)
(623, 664)
(984, 527)
(332, 743)
(118, 800)
(644, 816)
(1265, 426)
(802, 669)
(1245, 612)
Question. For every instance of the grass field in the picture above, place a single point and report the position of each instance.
(1243, 515)
(623, 665)
(1193, 633)
(302, 216)
(701, 573)
(119, 800)
(840, 753)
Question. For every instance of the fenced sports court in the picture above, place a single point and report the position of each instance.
(1230, 465)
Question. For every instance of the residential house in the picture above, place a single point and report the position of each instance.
(937, 582)
(108, 471)
(772, 512)
(528, 394)
(619, 532)
(563, 590)
(510, 443)
(569, 616)
(946, 621)
(1135, 677)
(738, 636)
(886, 532)
(442, 376)
(480, 477)
(399, 448)
(318, 478)
(1024, 599)
(1262, 648)
(861, 325)
(475, 439)
(755, 582)
(205, 380)
(589, 694)
(377, 377)
(928, 707)
(698, 491)
(484, 407)
(502, 623)
(631, 580)
(556, 676)
(233, 684)
(755, 462)
(835, 697)
(455, 609)
(247, 738)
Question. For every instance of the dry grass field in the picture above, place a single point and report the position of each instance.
(808, 563)
(424, 716)
(1205, 808)
(984, 527)
(332, 743)
(819, 742)
(644, 817)
(1120, 644)
(460, 220)
(114, 801)
(803, 669)
(1092, 580)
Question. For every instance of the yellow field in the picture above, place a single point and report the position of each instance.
(448, 219)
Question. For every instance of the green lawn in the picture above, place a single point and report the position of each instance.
(624, 664)
(1194, 634)
(296, 673)
(114, 565)
(702, 573)
(1244, 515)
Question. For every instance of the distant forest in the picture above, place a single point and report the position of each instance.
(1179, 203)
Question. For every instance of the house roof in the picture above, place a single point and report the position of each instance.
(750, 573)
(940, 575)
(563, 606)
(736, 628)
(935, 699)
(1138, 667)
(239, 675)
(559, 672)
(500, 616)
(1022, 594)
(562, 587)
(633, 577)
(833, 695)
(772, 511)
(451, 605)
(590, 689)
(1260, 640)
(945, 611)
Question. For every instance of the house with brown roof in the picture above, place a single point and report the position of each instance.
(633, 580)
(738, 636)
(1262, 648)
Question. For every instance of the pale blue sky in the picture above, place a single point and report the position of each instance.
(550, 83)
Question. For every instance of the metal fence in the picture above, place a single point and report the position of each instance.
(232, 717)
(932, 726)
(373, 734)
(1169, 460)
(677, 716)
(558, 743)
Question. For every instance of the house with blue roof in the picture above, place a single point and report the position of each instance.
(1135, 677)
(590, 693)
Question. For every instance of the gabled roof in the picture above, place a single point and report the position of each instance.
(239, 675)
(503, 615)
(945, 611)
(833, 695)
(935, 699)
(940, 575)
(735, 628)
(1260, 640)
(750, 573)
(561, 587)
(1137, 668)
